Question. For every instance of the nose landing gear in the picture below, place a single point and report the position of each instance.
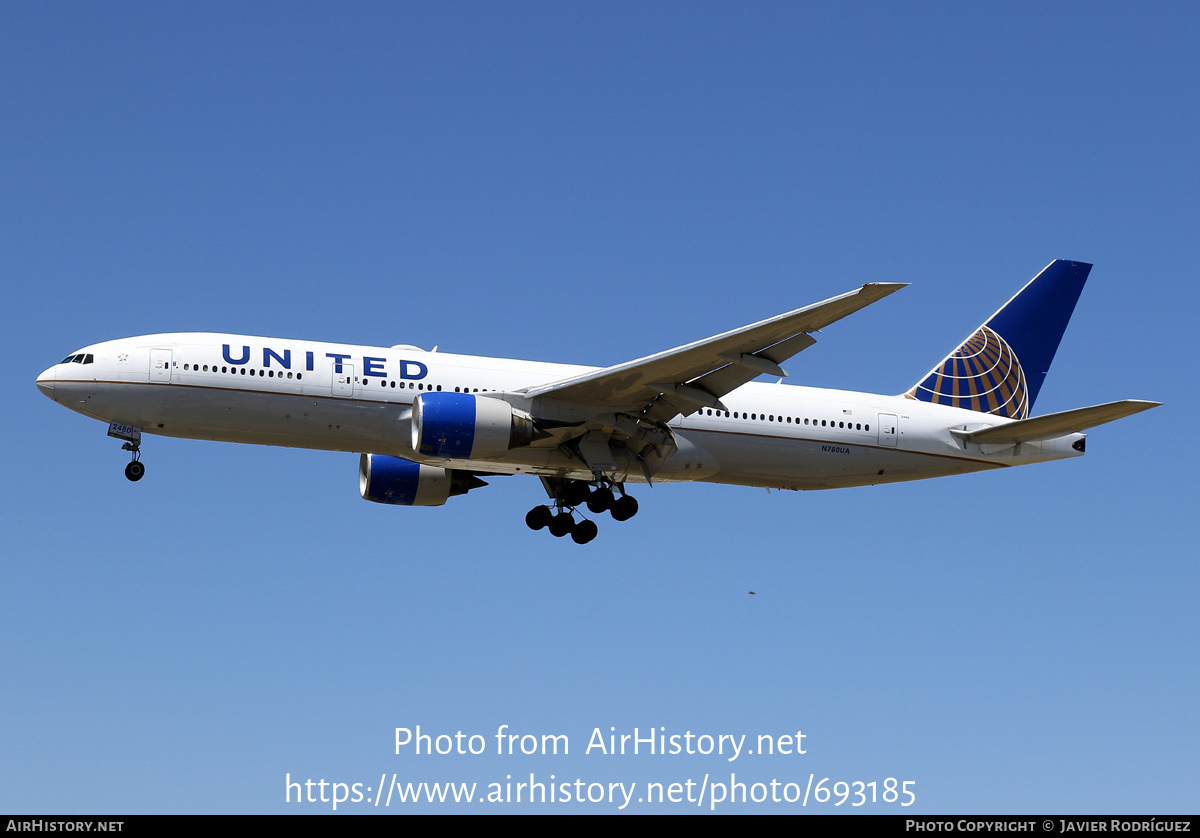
(132, 435)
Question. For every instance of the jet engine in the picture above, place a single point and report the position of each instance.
(464, 426)
(385, 479)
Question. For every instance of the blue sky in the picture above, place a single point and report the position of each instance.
(589, 184)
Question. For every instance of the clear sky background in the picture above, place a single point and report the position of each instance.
(590, 184)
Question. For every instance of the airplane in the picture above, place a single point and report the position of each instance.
(431, 425)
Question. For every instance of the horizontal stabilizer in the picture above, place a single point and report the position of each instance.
(1055, 424)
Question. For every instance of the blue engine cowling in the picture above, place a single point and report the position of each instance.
(385, 479)
(464, 426)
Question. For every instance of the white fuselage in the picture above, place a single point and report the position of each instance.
(337, 397)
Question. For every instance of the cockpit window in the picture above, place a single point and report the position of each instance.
(68, 359)
(87, 359)
(81, 358)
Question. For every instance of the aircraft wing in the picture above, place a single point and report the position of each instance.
(684, 379)
(1056, 424)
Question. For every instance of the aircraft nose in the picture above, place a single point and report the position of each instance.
(45, 383)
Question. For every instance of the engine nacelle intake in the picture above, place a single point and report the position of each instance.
(464, 426)
(385, 479)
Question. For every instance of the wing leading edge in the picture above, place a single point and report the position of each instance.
(681, 380)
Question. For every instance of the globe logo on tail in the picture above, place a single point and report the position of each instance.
(983, 375)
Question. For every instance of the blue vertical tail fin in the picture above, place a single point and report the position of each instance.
(1000, 368)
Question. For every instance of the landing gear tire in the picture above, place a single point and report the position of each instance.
(561, 524)
(624, 508)
(584, 532)
(539, 517)
(600, 500)
(574, 493)
(135, 471)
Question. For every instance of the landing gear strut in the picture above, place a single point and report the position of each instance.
(569, 496)
(133, 444)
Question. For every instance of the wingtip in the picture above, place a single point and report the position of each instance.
(884, 288)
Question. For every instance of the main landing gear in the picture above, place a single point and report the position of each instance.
(569, 495)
